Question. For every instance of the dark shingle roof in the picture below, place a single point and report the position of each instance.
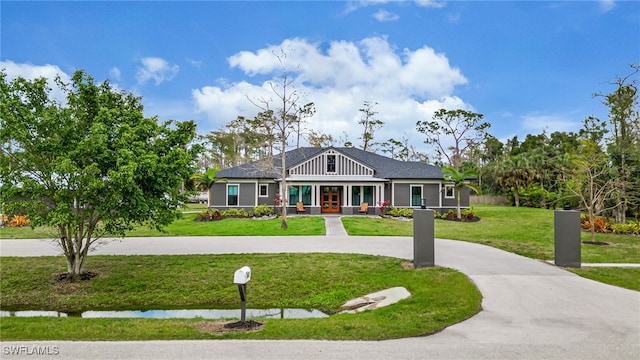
(385, 168)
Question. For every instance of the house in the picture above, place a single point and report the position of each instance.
(335, 180)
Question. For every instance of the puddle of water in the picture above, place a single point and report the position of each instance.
(178, 314)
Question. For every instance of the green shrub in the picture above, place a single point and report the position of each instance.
(449, 215)
(235, 212)
(629, 228)
(208, 215)
(262, 210)
(400, 212)
(537, 197)
(468, 214)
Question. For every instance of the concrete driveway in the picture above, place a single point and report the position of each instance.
(531, 310)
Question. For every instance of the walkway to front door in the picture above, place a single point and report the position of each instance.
(330, 199)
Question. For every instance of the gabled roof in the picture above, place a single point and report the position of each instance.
(384, 167)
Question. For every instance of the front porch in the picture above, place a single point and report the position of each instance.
(327, 198)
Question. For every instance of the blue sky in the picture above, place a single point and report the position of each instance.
(527, 66)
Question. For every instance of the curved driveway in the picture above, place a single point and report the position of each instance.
(531, 310)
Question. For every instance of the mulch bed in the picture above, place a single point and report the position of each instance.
(221, 327)
(84, 276)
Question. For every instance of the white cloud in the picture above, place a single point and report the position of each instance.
(436, 4)
(115, 73)
(156, 69)
(408, 85)
(538, 122)
(194, 63)
(385, 16)
(607, 5)
(31, 72)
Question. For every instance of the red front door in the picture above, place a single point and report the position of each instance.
(330, 199)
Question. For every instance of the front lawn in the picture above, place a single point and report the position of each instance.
(440, 297)
(188, 226)
(520, 230)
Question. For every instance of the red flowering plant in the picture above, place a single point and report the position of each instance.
(383, 206)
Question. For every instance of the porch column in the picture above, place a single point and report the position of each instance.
(347, 196)
(314, 195)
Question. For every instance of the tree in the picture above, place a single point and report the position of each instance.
(460, 180)
(370, 124)
(303, 112)
(593, 182)
(514, 174)
(204, 181)
(623, 146)
(465, 127)
(91, 166)
(396, 148)
(284, 118)
(318, 139)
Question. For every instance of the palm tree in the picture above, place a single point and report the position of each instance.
(460, 181)
(206, 180)
(515, 173)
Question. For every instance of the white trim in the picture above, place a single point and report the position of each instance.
(226, 195)
(421, 186)
(260, 192)
(453, 191)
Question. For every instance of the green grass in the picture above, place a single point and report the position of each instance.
(525, 231)
(187, 226)
(440, 297)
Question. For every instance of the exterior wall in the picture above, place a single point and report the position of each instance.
(465, 197)
(398, 192)
(247, 195)
(272, 189)
(219, 195)
(431, 192)
(401, 195)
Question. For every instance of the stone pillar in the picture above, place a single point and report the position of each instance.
(423, 243)
(567, 246)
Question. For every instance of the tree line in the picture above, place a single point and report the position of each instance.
(596, 166)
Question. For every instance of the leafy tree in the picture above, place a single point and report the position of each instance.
(466, 128)
(370, 124)
(204, 181)
(91, 166)
(514, 174)
(460, 180)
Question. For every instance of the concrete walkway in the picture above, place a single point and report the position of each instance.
(531, 310)
(333, 226)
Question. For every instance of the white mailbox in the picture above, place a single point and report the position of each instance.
(242, 275)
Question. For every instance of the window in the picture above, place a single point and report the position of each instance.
(293, 194)
(232, 195)
(449, 191)
(264, 190)
(368, 194)
(416, 195)
(331, 163)
(355, 195)
(306, 195)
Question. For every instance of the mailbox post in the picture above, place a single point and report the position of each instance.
(241, 277)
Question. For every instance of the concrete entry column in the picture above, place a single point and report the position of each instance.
(423, 242)
(567, 245)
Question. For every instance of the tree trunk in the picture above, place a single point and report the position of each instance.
(285, 189)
